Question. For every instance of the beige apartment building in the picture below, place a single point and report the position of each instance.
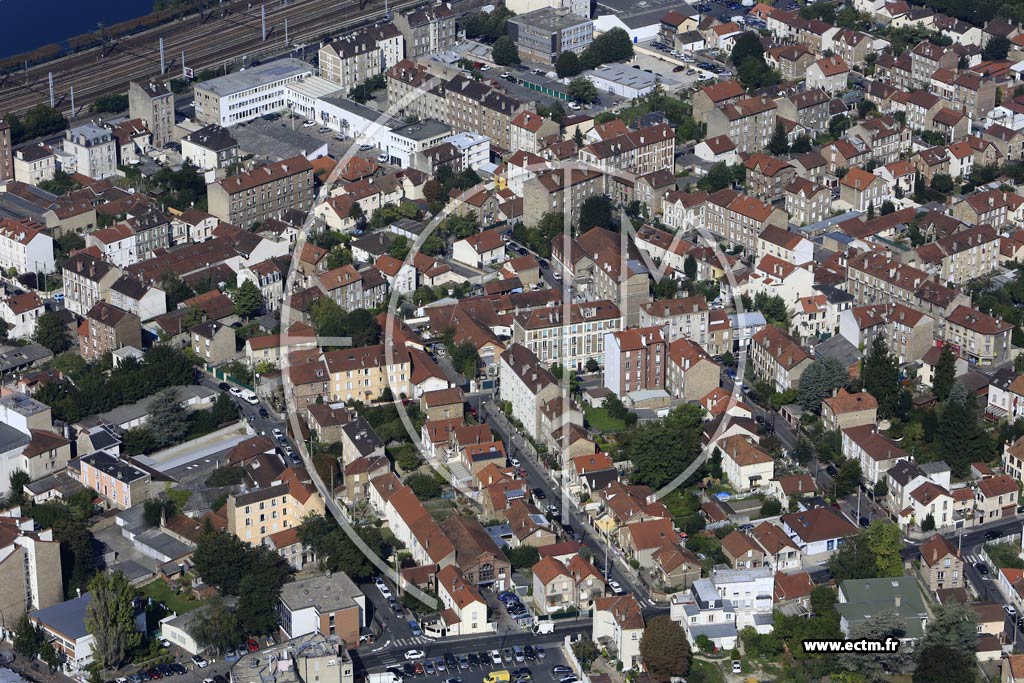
(362, 374)
(153, 103)
(87, 280)
(740, 219)
(642, 151)
(478, 107)
(356, 57)
(684, 318)
(978, 337)
(777, 358)
(749, 123)
(571, 343)
(427, 30)
(267, 191)
(414, 91)
(255, 515)
(962, 256)
(807, 202)
(551, 191)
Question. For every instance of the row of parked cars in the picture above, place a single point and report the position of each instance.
(513, 604)
(417, 663)
(155, 673)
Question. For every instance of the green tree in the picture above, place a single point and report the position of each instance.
(113, 103)
(257, 605)
(778, 144)
(28, 638)
(247, 299)
(746, 45)
(771, 507)
(996, 49)
(754, 73)
(665, 649)
(596, 212)
(110, 618)
(60, 184)
(838, 125)
(661, 450)
(884, 543)
(818, 381)
(929, 523)
(690, 267)
(465, 359)
(51, 333)
(220, 559)
(945, 373)
(613, 46)
(947, 651)
(718, 177)
(875, 666)
(941, 665)
(581, 89)
(942, 182)
(848, 478)
(881, 377)
(523, 557)
(881, 488)
(586, 652)
(168, 419)
(215, 625)
(567, 65)
(16, 494)
(504, 52)
(960, 438)
(802, 145)
(425, 486)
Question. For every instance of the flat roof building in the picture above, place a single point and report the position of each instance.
(545, 33)
(248, 94)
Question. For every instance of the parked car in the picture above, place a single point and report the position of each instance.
(736, 666)
(1010, 609)
(415, 628)
(414, 654)
(495, 657)
(539, 494)
(199, 661)
(616, 587)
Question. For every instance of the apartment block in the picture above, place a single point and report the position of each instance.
(255, 515)
(749, 123)
(6, 154)
(153, 103)
(739, 219)
(352, 59)
(634, 360)
(94, 150)
(545, 33)
(428, 30)
(545, 333)
(644, 151)
(107, 328)
(246, 95)
(267, 191)
(25, 247)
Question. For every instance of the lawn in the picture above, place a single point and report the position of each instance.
(599, 420)
(711, 672)
(161, 592)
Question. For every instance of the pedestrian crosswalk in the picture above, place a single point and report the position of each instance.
(410, 641)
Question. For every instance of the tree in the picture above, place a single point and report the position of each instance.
(581, 89)
(884, 543)
(746, 45)
(424, 486)
(881, 377)
(592, 365)
(838, 124)
(929, 523)
(754, 73)
(504, 52)
(216, 625)
(586, 652)
(875, 665)
(771, 507)
(523, 557)
(596, 212)
(567, 65)
(960, 438)
(220, 560)
(848, 478)
(881, 488)
(995, 49)
(778, 145)
(942, 182)
(18, 479)
(257, 604)
(951, 637)
(613, 46)
(168, 419)
(465, 359)
(718, 177)
(110, 618)
(690, 267)
(665, 650)
(819, 380)
(945, 374)
(51, 333)
(247, 299)
(661, 450)
(802, 145)
(27, 637)
(865, 107)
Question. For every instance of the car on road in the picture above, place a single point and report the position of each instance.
(831, 470)
(553, 510)
(365, 148)
(323, 129)
(382, 158)
(539, 494)
(864, 522)
(308, 124)
(224, 386)
(615, 586)
(505, 74)
(454, 679)
(200, 661)
(569, 531)
(991, 535)
(736, 666)
(276, 431)
(982, 568)
(252, 645)
(235, 391)
(263, 413)
(414, 654)
(745, 527)
(1010, 609)
(514, 462)
(415, 628)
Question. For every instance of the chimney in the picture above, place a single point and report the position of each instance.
(897, 601)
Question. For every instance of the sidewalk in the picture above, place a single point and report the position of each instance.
(32, 671)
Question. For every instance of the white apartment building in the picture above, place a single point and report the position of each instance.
(553, 340)
(723, 604)
(248, 94)
(25, 247)
(525, 384)
(34, 164)
(94, 150)
(352, 59)
(475, 148)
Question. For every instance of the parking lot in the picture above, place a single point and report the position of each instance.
(528, 663)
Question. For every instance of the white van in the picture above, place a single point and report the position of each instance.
(542, 627)
(250, 397)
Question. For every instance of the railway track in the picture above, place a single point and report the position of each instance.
(207, 42)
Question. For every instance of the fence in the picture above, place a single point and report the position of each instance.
(222, 375)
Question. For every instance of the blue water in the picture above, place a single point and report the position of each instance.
(28, 24)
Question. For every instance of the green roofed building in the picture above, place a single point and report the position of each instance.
(861, 599)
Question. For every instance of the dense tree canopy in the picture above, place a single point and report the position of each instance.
(881, 377)
(665, 649)
(662, 449)
(819, 380)
(110, 618)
